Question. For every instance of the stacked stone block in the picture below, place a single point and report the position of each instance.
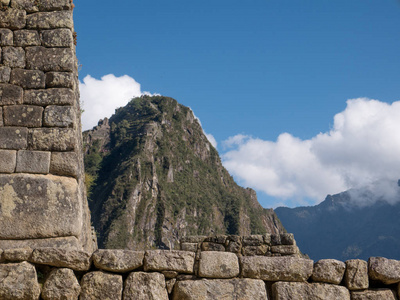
(159, 274)
(42, 195)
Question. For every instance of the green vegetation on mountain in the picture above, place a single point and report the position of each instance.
(155, 178)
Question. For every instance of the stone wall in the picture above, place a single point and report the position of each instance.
(42, 195)
(55, 273)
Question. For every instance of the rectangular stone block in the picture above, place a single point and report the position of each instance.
(50, 20)
(175, 260)
(28, 5)
(50, 59)
(8, 161)
(13, 57)
(67, 258)
(13, 138)
(41, 5)
(10, 94)
(64, 164)
(52, 139)
(39, 206)
(6, 37)
(59, 80)
(25, 38)
(356, 274)
(214, 264)
(33, 162)
(57, 38)
(59, 116)
(5, 73)
(61, 96)
(376, 294)
(28, 79)
(62, 242)
(300, 290)
(285, 249)
(23, 115)
(1, 116)
(13, 18)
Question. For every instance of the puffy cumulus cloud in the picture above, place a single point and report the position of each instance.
(362, 149)
(101, 97)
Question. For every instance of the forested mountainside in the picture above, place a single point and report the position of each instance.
(154, 177)
(339, 228)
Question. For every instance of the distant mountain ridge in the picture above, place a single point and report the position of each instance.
(155, 177)
(344, 228)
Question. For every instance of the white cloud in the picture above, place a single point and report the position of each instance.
(101, 97)
(363, 147)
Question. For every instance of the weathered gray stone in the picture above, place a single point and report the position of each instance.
(218, 239)
(8, 161)
(307, 291)
(61, 37)
(70, 242)
(234, 246)
(23, 115)
(50, 59)
(287, 239)
(378, 294)
(13, 57)
(13, 138)
(253, 240)
(193, 239)
(170, 274)
(145, 286)
(356, 274)
(45, 97)
(59, 116)
(99, 285)
(267, 238)
(61, 285)
(218, 264)
(28, 79)
(59, 79)
(12, 18)
(68, 258)
(28, 5)
(276, 268)
(18, 281)
(285, 249)
(275, 239)
(206, 289)
(6, 37)
(383, 269)
(189, 247)
(10, 94)
(329, 271)
(255, 250)
(5, 74)
(118, 260)
(170, 285)
(50, 20)
(33, 162)
(23, 38)
(41, 5)
(17, 254)
(29, 203)
(1, 116)
(52, 139)
(64, 164)
(179, 261)
(5, 2)
(210, 246)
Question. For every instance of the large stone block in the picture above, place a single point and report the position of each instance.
(5, 74)
(38, 206)
(69, 242)
(64, 164)
(100, 285)
(52, 139)
(329, 271)
(1, 116)
(59, 116)
(8, 161)
(61, 284)
(144, 286)
(23, 38)
(41, 5)
(13, 138)
(67, 258)
(207, 289)
(13, 57)
(214, 264)
(383, 269)
(17, 254)
(285, 249)
(28, 79)
(10, 94)
(50, 20)
(307, 291)
(59, 79)
(12, 18)
(23, 115)
(356, 274)
(61, 37)
(6, 37)
(179, 261)
(120, 261)
(378, 294)
(46, 97)
(276, 268)
(50, 59)
(18, 282)
(33, 162)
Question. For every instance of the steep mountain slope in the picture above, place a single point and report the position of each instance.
(155, 177)
(339, 228)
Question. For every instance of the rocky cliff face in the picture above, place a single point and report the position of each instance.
(157, 178)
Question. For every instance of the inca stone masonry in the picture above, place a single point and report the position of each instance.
(47, 250)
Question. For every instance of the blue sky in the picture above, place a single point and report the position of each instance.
(257, 69)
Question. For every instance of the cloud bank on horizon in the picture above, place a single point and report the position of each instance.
(362, 147)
